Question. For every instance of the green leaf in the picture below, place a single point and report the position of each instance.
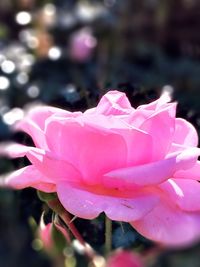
(46, 196)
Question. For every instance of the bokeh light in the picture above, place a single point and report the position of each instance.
(23, 18)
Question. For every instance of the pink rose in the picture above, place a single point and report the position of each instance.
(124, 258)
(82, 44)
(45, 233)
(136, 165)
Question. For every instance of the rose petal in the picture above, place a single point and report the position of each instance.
(46, 162)
(152, 173)
(185, 193)
(169, 226)
(139, 147)
(34, 123)
(38, 116)
(143, 112)
(29, 177)
(31, 128)
(52, 166)
(88, 205)
(192, 173)
(13, 150)
(177, 148)
(92, 152)
(161, 127)
(45, 187)
(114, 103)
(138, 117)
(185, 133)
(105, 124)
(160, 103)
(136, 140)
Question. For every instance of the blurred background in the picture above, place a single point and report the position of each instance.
(67, 53)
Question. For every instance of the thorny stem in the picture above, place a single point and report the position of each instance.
(56, 206)
(108, 235)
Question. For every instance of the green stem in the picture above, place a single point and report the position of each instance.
(56, 206)
(108, 235)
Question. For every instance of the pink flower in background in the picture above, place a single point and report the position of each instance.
(82, 44)
(124, 258)
(45, 234)
(136, 165)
